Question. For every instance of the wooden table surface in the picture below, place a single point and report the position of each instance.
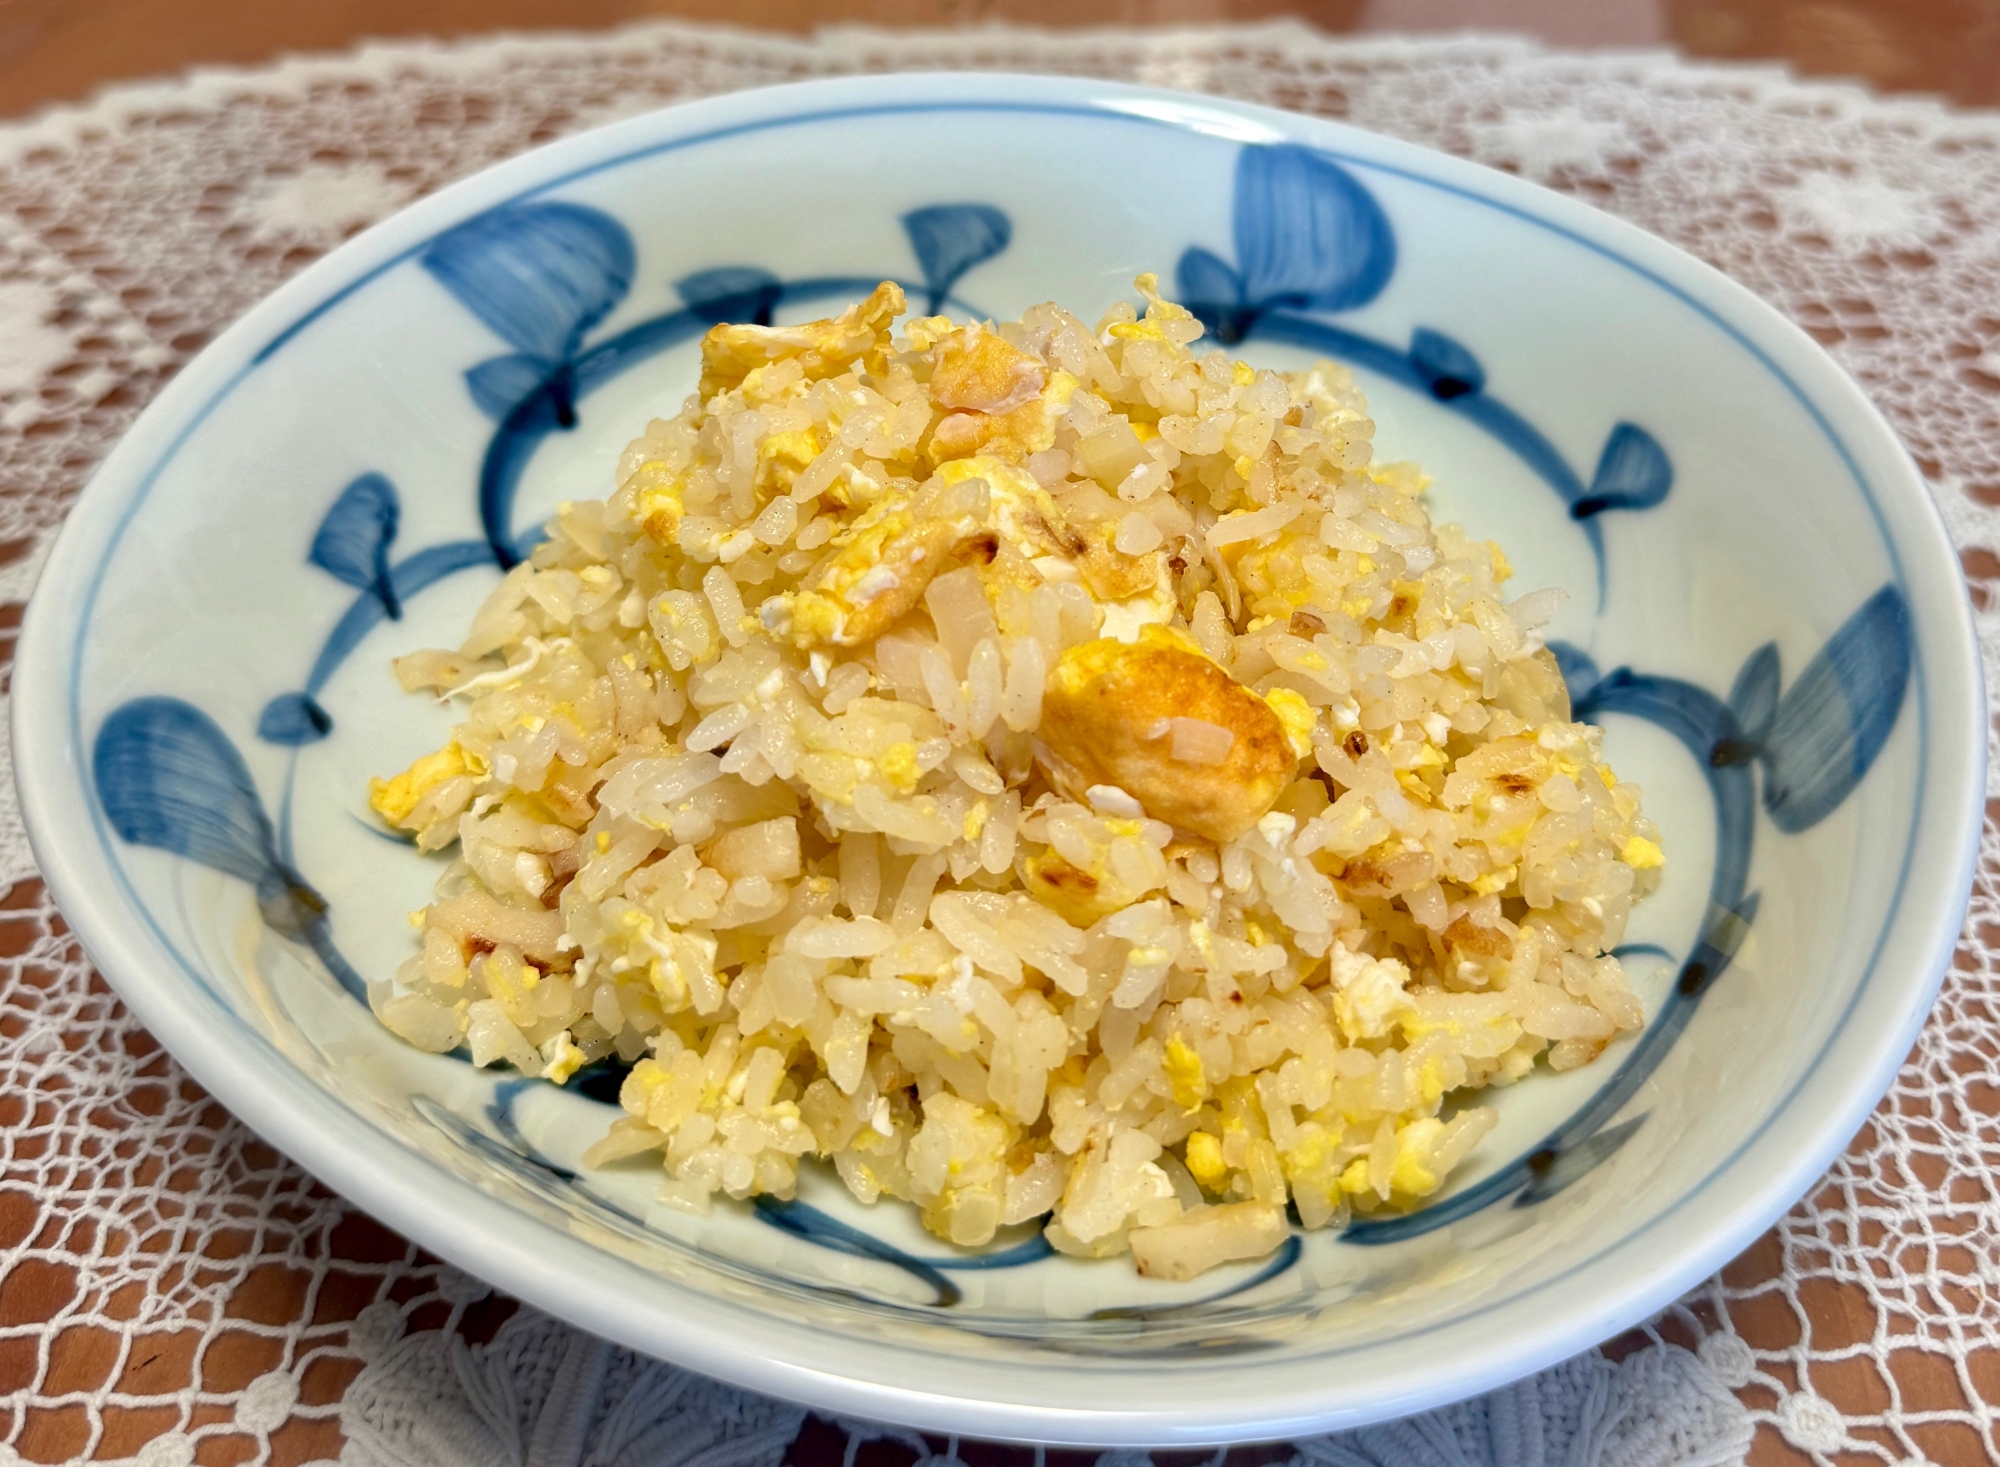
(62, 50)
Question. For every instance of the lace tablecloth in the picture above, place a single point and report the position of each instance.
(171, 1291)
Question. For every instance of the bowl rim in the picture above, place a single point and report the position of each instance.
(904, 1381)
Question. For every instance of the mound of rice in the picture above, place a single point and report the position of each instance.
(1045, 772)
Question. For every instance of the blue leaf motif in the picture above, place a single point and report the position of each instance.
(1446, 367)
(169, 778)
(814, 1226)
(949, 239)
(1753, 701)
(1204, 278)
(732, 293)
(541, 274)
(1833, 722)
(1754, 696)
(1307, 232)
(1633, 472)
(293, 719)
(1551, 1170)
(601, 1080)
(501, 384)
(354, 538)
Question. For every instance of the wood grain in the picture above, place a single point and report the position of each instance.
(63, 50)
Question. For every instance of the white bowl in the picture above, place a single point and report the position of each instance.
(1788, 667)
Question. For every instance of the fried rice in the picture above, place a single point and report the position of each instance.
(1051, 775)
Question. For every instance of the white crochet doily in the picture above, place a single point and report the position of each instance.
(172, 1291)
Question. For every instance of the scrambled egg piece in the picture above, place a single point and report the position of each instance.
(394, 799)
(1642, 854)
(564, 1059)
(879, 567)
(981, 371)
(1186, 1074)
(1019, 509)
(1204, 1159)
(1130, 615)
(876, 572)
(1368, 993)
(656, 500)
(730, 353)
(1079, 896)
(1105, 720)
(997, 399)
(1298, 716)
(781, 457)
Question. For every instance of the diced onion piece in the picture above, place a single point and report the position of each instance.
(1197, 741)
(1111, 453)
(769, 848)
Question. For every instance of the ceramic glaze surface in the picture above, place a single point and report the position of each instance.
(1763, 612)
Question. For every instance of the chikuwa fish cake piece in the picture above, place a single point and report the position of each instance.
(1157, 722)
